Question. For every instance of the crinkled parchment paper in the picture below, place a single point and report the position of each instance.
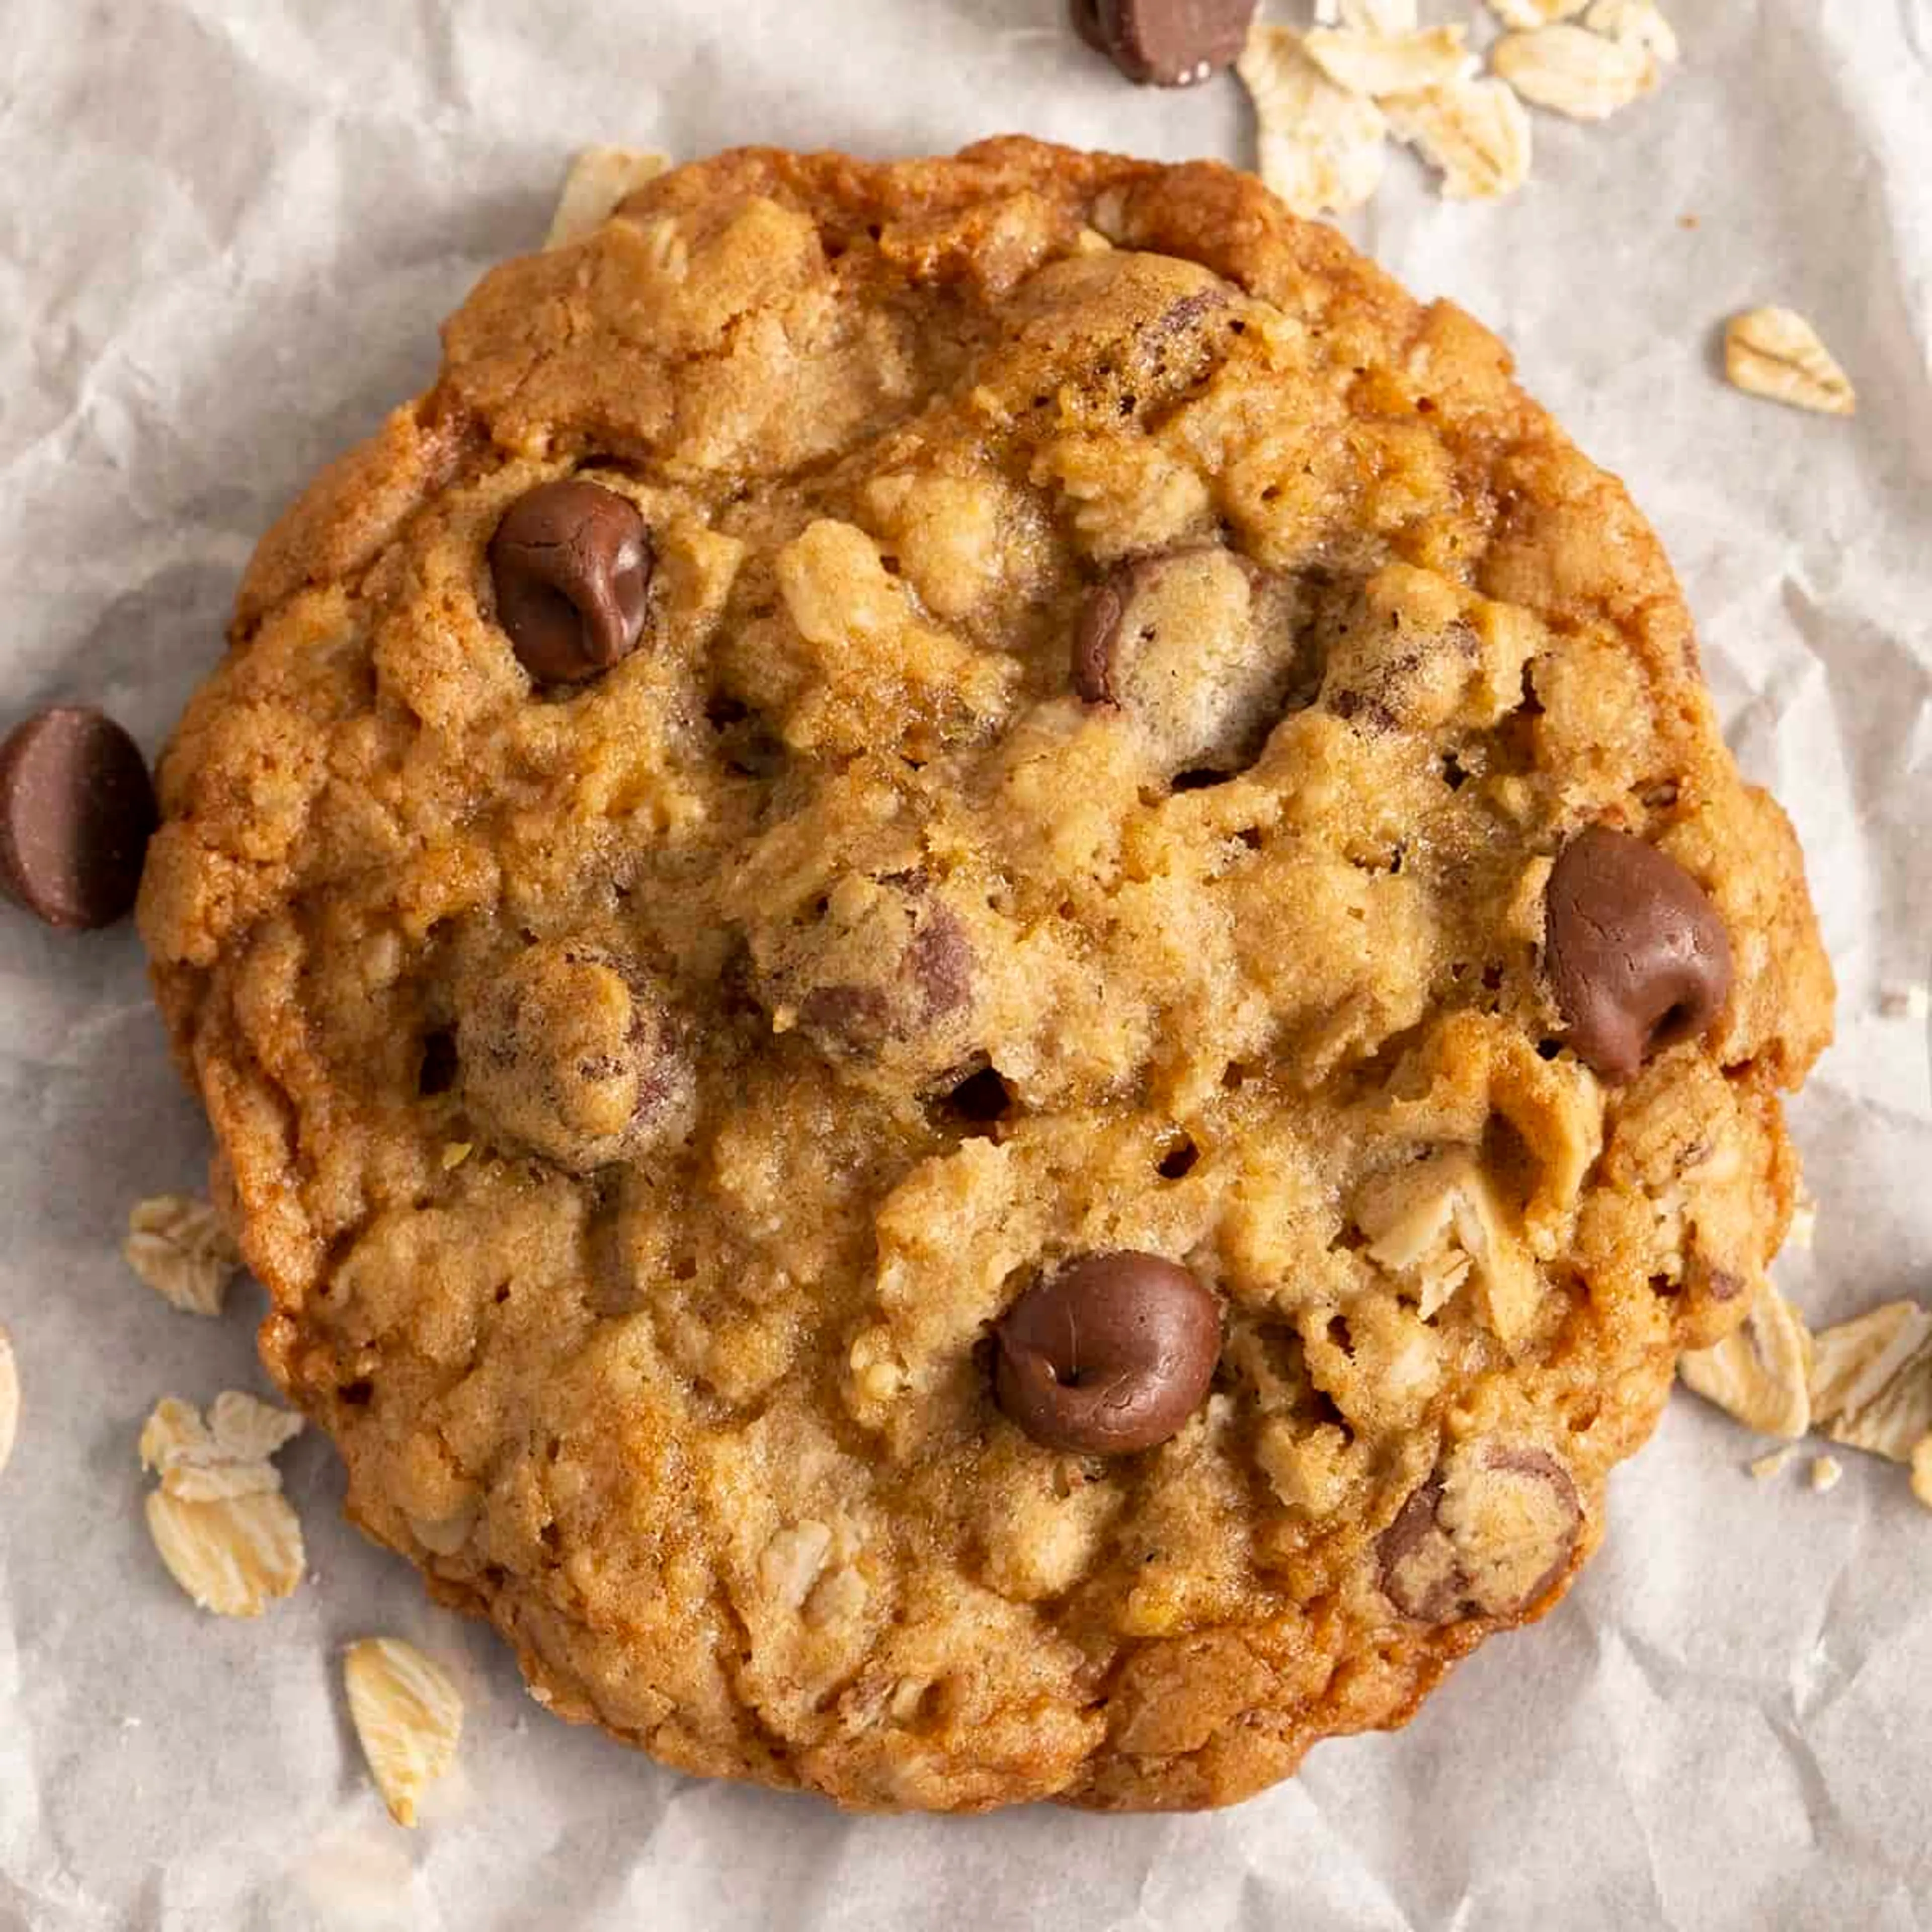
(228, 229)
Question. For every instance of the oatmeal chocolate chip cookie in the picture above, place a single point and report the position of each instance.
(1105, 1001)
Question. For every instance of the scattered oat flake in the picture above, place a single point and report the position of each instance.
(1368, 17)
(1913, 1001)
(233, 1556)
(1572, 71)
(1382, 64)
(455, 1152)
(1759, 1374)
(409, 1717)
(1776, 353)
(599, 179)
(1921, 1472)
(1827, 1473)
(1775, 1464)
(1476, 132)
(1871, 1380)
(1529, 14)
(179, 1247)
(10, 1399)
(227, 1455)
(1322, 148)
(1636, 23)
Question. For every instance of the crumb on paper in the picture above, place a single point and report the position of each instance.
(1827, 1472)
(1322, 149)
(599, 179)
(1910, 1000)
(1775, 353)
(1572, 71)
(1775, 1464)
(1476, 133)
(1688, 221)
(1921, 1472)
(10, 1399)
(180, 1247)
(1383, 63)
(408, 1716)
(1759, 1375)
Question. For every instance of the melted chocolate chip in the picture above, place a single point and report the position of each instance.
(1110, 1354)
(76, 811)
(572, 563)
(1636, 954)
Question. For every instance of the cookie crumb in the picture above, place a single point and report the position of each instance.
(10, 1399)
(599, 179)
(1774, 352)
(1911, 1001)
(408, 1716)
(1775, 1464)
(180, 1247)
(1827, 1473)
(1921, 1472)
(1688, 221)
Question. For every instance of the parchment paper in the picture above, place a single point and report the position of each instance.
(228, 229)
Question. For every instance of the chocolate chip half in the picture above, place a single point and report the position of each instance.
(1636, 954)
(1111, 1353)
(1171, 43)
(572, 563)
(76, 811)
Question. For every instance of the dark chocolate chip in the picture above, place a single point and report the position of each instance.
(76, 811)
(1172, 42)
(1636, 954)
(1095, 639)
(572, 563)
(1111, 1353)
(940, 960)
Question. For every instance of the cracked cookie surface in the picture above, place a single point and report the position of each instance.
(1022, 777)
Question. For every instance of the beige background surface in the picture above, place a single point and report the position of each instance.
(227, 229)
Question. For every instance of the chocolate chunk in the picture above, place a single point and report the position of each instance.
(1489, 1535)
(1636, 954)
(1111, 1353)
(76, 811)
(571, 562)
(1171, 43)
(1096, 638)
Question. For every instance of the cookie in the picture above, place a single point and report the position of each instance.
(980, 978)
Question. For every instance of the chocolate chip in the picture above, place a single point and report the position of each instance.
(1111, 1353)
(1636, 954)
(1490, 1534)
(76, 811)
(572, 563)
(1171, 43)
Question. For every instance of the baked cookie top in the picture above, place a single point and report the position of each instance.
(980, 978)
